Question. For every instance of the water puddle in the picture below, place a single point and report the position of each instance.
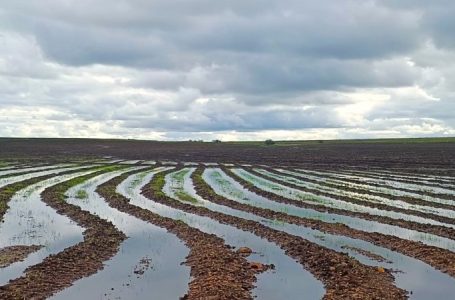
(365, 196)
(174, 183)
(129, 162)
(29, 221)
(409, 186)
(444, 181)
(410, 270)
(147, 264)
(288, 281)
(169, 163)
(337, 180)
(391, 186)
(32, 169)
(231, 189)
(295, 194)
(2, 169)
(14, 179)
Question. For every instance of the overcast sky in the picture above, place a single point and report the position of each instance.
(204, 69)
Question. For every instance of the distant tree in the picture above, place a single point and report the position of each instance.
(216, 141)
(269, 142)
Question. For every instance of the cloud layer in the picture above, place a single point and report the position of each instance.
(230, 70)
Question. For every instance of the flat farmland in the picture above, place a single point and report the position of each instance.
(126, 219)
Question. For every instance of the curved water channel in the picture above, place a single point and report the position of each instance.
(324, 201)
(7, 167)
(363, 196)
(424, 178)
(229, 188)
(421, 279)
(351, 221)
(395, 186)
(332, 178)
(288, 281)
(34, 173)
(32, 169)
(148, 263)
(416, 184)
(29, 221)
(443, 181)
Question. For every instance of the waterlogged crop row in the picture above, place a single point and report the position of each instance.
(229, 188)
(364, 196)
(148, 263)
(343, 182)
(282, 190)
(413, 180)
(395, 184)
(288, 280)
(339, 243)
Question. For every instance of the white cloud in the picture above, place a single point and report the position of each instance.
(237, 70)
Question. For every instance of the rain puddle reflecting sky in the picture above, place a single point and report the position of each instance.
(288, 281)
(29, 221)
(148, 264)
(416, 276)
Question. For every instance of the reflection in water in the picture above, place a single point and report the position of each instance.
(224, 184)
(363, 195)
(126, 276)
(299, 195)
(416, 276)
(288, 281)
(14, 179)
(29, 221)
(32, 169)
(399, 184)
(344, 181)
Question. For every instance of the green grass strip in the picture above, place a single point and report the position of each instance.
(158, 183)
(61, 188)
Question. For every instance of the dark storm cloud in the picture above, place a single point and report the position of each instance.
(134, 32)
(228, 65)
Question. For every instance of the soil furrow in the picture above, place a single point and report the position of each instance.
(435, 178)
(218, 272)
(441, 259)
(343, 277)
(8, 191)
(56, 272)
(382, 185)
(427, 228)
(12, 254)
(33, 170)
(380, 206)
(397, 179)
(407, 199)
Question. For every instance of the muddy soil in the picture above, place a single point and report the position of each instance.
(406, 199)
(56, 272)
(441, 259)
(218, 271)
(12, 254)
(8, 191)
(325, 154)
(380, 206)
(343, 277)
(427, 228)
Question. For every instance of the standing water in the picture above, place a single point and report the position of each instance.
(148, 263)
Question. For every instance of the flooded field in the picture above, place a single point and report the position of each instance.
(117, 228)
